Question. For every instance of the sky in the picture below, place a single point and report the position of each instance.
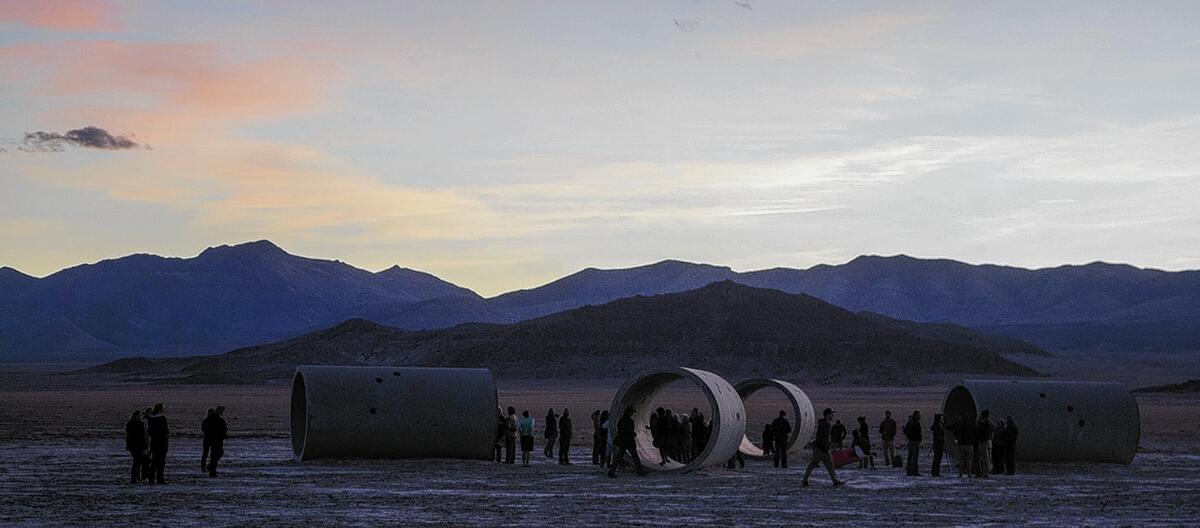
(500, 145)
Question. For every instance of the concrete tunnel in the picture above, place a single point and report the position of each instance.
(1057, 421)
(728, 415)
(392, 412)
(802, 417)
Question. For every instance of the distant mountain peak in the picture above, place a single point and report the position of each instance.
(255, 248)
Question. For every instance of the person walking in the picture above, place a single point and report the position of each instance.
(983, 443)
(1010, 446)
(781, 429)
(160, 432)
(964, 439)
(626, 444)
(837, 434)
(205, 446)
(912, 433)
(510, 436)
(564, 438)
(135, 443)
(887, 435)
(215, 437)
(551, 433)
(525, 431)
(820, 450)
(938, 431)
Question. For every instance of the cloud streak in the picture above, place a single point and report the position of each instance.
(92, 137)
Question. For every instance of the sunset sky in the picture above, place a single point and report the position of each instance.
(500, 145)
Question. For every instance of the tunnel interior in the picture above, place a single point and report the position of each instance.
(766, 415)
(299, 415)
(959, 401)
(642, 395)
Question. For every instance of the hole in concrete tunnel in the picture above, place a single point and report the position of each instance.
(396, 373)
(958, 402)
(1082, 423)
(378, 380)
(1070, 408)
(299, 415)
(762, 407)
(1042, 395)
(372, 410)
(684, 434)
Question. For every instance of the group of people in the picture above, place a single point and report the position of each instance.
(985, 446)
(147, 438)
(679, 436)
(558, 430)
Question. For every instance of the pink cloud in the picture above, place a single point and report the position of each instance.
(61, 15)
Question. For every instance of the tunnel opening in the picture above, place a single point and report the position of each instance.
(959, 401)
(764, 406)
(299, 415)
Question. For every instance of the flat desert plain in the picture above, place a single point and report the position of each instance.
(62, 463)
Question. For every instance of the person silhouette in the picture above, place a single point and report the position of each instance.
(160, 432)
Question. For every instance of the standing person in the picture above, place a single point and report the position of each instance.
(837, 434)
(768, 441)
(146, 476)
(206, 447)
(938, 430)
(657, 436)
(564, 438)
(626, 443)
(156, 423)
(699, 433)
(498, 439)
(820, 450)
(525, 431)
(217, 432)
(964, 438)
(912, 433)
(135, 443)
(599, 437)
(551, 432)
(997, 461)
(780, 430)
(983, 443)
(685, 439)
(510, 436)
(1010, 446)
(864, 432)
(887, 435)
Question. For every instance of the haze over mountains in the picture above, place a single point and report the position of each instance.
(253, 293)
(724, 326)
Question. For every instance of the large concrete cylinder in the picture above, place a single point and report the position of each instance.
(803, 418)
(728, 415)
(1056, 420)
(392, 412)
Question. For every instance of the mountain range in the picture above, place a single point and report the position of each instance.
(234, 296)
(724, 326)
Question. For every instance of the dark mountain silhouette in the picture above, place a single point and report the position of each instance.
(253, 293)
(1175, 388)
(724, 326)
(225, 297)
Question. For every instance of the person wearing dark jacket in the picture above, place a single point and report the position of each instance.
(781, 429)
(599, 437)
(887, 435)
(160, 432)
(983, 444)
(864, 431)
(564, 438)
(964, 438)
(215, 437)
(1010, 446)
(820, 450)
(510, 436)
(997, 461)
(135, 443)
(768, 440)
(837, 434)
(912, 433)
(206, 447)
(938, 431)
(625, 442)
(498, 438)
(551, 432)
(146, 435)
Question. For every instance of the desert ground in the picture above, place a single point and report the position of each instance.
(62, 463)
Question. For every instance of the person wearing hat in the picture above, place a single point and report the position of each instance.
(820, 447)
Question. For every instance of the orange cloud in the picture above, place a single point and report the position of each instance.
(61, 15)
(166, 90)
